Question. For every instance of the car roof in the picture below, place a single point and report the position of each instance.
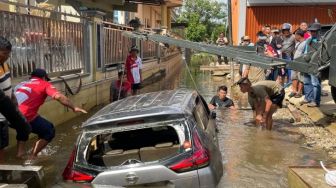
(162, 103)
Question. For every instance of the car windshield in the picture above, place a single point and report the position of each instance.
(135, 142)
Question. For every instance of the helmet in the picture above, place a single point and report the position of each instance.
(286, 26)
(314, 27)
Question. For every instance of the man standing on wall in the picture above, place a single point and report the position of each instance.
(133, 70)
(31, 95)
(222, 41)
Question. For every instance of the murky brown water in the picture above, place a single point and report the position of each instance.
(252, 157)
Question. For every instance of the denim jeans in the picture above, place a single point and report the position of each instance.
(288, 71)
(312, 88)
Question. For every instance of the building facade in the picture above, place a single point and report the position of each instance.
(248, 16)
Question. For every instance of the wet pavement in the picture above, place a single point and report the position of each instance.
(252, 157)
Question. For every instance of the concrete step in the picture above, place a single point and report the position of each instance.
(307, 177)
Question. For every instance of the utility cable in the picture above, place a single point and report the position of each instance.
(189, 72)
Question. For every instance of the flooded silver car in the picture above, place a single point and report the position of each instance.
(161, 139)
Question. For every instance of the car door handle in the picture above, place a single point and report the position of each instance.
(132, 178)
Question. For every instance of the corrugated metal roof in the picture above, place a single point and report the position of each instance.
(275, 16)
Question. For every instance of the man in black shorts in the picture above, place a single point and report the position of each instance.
(220, 100)
(264, 97)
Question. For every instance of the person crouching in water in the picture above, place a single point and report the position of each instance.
(120, 88)
(220, 100)
(264, 97)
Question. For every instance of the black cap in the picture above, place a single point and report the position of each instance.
(243, 81)
(300, 32)
(40, 73)
(134, 49)
(314, 27)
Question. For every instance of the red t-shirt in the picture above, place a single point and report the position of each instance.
(307, 35)
(270, 51)
(130, 63)
(32, 94)
(126, 86)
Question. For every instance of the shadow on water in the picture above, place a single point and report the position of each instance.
(252, 157)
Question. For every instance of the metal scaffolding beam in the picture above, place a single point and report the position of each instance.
(241, 55)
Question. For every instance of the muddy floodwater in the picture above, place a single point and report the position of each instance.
(252, 157)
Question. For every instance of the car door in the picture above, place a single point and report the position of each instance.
(208, 126)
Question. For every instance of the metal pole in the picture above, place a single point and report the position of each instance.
(230, 39)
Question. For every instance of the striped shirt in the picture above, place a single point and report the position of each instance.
(5, 79)
(5, 83)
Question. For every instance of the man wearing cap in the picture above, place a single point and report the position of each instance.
(31, 95)
(8, 106)
(264, 97)
(287, 50)
(312, 83)
(133, 70)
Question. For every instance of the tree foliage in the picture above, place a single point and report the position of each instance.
(203, 18)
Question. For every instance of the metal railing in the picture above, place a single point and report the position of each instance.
(116, 46)
(149, 49)
(50, 43)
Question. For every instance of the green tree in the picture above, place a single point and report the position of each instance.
(195, 31)
(202, 16)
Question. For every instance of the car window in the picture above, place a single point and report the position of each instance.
(201, 114)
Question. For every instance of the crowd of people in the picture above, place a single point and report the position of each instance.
(287, 43)
(265, 88)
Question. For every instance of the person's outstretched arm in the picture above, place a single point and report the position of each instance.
(67, 102)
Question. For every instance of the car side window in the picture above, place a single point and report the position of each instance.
(201, 114)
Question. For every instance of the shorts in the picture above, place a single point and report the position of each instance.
(136, 86)
(15, 119)
(4, 140)
(277, 99)
(43, 128)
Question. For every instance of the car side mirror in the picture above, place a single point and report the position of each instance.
(213, 114)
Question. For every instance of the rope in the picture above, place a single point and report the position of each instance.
(121, 82)
(189, 72)
(67, 87)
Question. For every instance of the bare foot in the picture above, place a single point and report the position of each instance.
(30, 161)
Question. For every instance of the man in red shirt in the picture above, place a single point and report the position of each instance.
(133, 70)
(120, 88)
(30, 96)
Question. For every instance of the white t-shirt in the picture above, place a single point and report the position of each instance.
(136, 70)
